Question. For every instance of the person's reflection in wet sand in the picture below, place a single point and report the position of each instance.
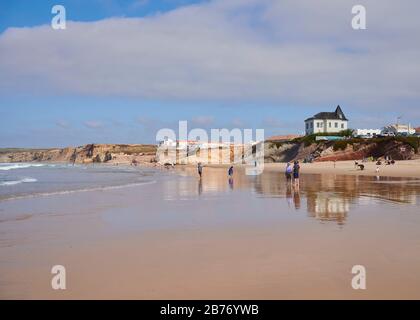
(231, 183)
(296, 197)
(200, 186)
(289, 196)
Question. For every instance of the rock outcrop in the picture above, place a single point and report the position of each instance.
(397, 149)
(107, 153)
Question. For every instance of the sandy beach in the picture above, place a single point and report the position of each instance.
(255, 237)
(406, 168)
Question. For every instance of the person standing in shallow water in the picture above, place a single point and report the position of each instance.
(288, 172)
(230, 172)
(200, 169)
(296, 169)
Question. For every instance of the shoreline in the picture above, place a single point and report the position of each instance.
(401, 169)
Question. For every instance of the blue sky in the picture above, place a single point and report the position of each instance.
(124, 69)
(28, 13)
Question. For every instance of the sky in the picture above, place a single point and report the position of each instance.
(123, 69)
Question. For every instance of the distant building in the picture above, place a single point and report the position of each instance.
(399, 129)
(366, 133)
(418, 131)
(326, 122)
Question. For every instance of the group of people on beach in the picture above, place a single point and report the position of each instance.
(292, 173)
(388, 161)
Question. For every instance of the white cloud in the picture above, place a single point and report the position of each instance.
(291, 51)
(272, 123)
(237, 123)
(203, 120)
(93, 124)
(62, 124)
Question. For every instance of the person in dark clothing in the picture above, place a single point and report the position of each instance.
(230, 172)
(296, 169)
(200, 169)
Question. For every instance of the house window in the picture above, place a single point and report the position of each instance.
(342, 126)
(329, 124)
(336, 124)
(307, 126)
(312, 124)
(317, 124)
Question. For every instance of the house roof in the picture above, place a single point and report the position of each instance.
(338, 114)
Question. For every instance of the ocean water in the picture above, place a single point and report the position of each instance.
(21, 180)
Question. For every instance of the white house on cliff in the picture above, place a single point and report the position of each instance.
(326, 122)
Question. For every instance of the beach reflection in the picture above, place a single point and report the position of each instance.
(324, 197)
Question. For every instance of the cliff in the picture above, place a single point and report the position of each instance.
(106, 153)
(397, 148)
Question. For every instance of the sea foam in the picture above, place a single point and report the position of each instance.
(14, 182)
(12, 166)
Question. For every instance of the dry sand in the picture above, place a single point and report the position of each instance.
(407, 168)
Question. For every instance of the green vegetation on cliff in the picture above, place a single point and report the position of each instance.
(414, 142)
(310, 139)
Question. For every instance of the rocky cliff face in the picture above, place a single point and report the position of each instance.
(339, 151)
(109, 153)
(274, 152)
(394, 149)
(286, 152)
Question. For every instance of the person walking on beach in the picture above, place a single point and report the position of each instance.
(230, 172)
(200, 169)
(296, 169)
(288, 172)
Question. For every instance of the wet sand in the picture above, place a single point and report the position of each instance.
(185, 238)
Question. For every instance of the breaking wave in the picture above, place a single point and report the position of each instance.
(14, 182)
(64, 192)
(13, 166)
